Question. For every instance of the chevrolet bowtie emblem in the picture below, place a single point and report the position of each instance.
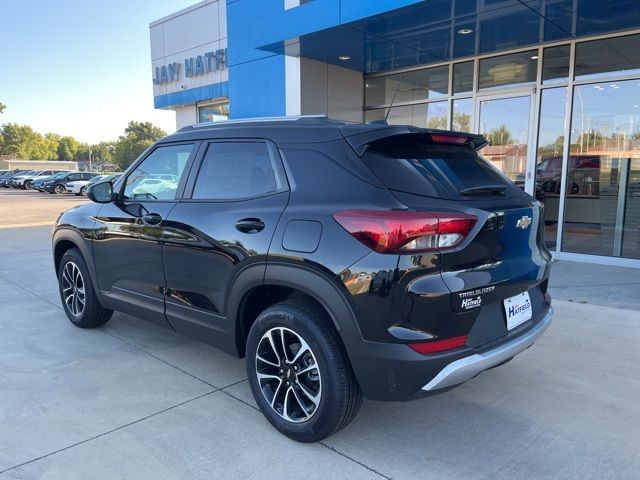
(523, 222)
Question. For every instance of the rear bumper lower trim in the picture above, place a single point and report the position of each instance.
(468, 367)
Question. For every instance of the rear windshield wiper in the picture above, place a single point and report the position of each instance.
(484, 190)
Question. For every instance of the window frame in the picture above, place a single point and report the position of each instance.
(121, 182)
(276, 162)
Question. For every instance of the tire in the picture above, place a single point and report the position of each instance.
(334, 395)
(73, 271)
(28, 185)
(83, 191)
(59, 189)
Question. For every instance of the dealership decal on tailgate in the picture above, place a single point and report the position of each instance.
(518, 310)
(473, 298)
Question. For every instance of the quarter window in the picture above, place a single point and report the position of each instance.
(157, 177)
(235, 170)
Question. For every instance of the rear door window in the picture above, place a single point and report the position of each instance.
(412, 165)
(237, 170)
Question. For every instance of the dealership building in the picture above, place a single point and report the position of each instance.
(553, 84)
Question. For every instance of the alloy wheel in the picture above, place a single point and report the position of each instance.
(288, 374)
(73, 289)
(59, 189)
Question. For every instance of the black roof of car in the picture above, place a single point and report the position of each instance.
(305, 129)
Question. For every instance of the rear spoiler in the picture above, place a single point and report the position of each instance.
(360, 141)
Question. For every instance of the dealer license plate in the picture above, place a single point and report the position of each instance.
(518, 310)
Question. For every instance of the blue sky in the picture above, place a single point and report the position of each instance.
(80, 68)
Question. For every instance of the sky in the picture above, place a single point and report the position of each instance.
(80, 68)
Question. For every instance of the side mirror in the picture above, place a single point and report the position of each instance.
(101, 192)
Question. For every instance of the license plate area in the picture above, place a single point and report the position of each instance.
(518, 309)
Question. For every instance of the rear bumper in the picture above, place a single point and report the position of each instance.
(394, 372)
(466, 368)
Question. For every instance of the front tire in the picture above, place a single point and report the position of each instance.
(83, 191)
(59, 189)
(299, 373)
(77, 292)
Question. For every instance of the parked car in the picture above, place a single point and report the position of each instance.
(39, 182)
(6, 181)
(112, 177)
(27, 181)
(260, 246)
(57, 184)
(79, 187)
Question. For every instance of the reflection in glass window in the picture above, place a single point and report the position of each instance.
(601, 209)
(375, 116)
(157, 177)
(234, 170)
(426, 115)
(513, 70)
(505, 123)
(555, 64)
(462, 115)
(213, 113)
(408, 86)
(462, 77)
(608, 57)
(553, 105)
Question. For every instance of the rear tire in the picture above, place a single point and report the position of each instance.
(77, 292)
(83, 191)
(295, 342)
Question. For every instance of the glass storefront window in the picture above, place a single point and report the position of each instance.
(462, 78)
(608, 57)
(425, 115)
(601, 205)
(513, 70)
(373, 116)
(213, 113)
(505, 123)
(549, 153)
(404, 87)
(555, 64)
(462, 115)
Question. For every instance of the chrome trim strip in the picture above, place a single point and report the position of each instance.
(468, 367)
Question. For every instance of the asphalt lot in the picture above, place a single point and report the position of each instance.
(132, 400)
(29, 208)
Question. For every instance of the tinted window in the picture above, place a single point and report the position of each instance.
(158, 175)
(430, 169)
(75, 176)
(232, 170)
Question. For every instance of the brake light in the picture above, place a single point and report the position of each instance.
(395, 231)
(435, 346)
(449, 138)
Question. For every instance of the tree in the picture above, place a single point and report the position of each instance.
(2, 107)
(500, 136)
(462, 122)
(103, 151)
(137, 137)
(20, 141)
(67, 149)
(82, 152)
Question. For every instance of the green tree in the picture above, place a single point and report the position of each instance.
(439, 122)
(2, 107)
(67, 149)
(462, 122)
(20, 141)
(82, 152)
(103, 151)
(500, 136)
(137, 137)
(50, 146)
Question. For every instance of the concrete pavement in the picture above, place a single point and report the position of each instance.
(132, 400)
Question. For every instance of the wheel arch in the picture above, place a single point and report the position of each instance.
(251, 293)
(66, 238)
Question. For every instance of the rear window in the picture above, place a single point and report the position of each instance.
(432, 169)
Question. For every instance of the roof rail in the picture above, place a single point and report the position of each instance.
(288, 118)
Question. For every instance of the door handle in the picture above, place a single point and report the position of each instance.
(151, 219)
(250, 225)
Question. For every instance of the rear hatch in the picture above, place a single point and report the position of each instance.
(500, 259)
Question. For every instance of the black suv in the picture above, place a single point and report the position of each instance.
(342, 260)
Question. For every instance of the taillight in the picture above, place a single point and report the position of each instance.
(395, 231)
(436, 346)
